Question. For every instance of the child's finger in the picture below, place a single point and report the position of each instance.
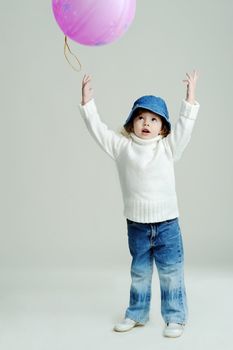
(194, 73)
(86, 83)
(86, 80)
(197, 74)
(86, 77)
(187, 76)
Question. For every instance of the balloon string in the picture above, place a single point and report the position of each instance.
(66, 46)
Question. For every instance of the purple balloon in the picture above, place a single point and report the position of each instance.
(94, 22)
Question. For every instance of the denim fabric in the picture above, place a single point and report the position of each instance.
(160, 242)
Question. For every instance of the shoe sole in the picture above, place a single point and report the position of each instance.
(172, 336)
(129, 329)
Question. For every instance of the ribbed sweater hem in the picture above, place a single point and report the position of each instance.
(151, 211)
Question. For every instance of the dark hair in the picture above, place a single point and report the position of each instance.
(165, 129)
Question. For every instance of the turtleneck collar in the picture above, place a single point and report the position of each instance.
(145, 141)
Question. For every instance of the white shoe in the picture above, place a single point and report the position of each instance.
(173, 330)
(126, 324)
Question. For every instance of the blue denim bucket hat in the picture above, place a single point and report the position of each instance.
(152, 103)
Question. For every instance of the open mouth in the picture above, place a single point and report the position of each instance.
(145, 131)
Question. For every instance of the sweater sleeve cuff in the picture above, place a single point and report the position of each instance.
(88, 108)
(189, 110)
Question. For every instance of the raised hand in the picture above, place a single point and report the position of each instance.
(87, 91)
(191, 81)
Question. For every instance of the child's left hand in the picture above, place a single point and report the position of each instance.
(87, 90)
(191, 86)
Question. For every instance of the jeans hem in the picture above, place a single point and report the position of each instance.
(142, 321)
(176, 321)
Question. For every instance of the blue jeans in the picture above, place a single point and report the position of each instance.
(162, 242)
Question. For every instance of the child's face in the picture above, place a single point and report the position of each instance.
(148, 120)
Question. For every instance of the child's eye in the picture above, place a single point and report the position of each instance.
(139, 117)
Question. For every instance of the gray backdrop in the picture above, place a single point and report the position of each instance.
(61, 204)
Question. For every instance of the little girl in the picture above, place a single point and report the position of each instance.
(145, 153)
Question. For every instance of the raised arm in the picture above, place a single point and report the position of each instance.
(180, 136)
(107, 139)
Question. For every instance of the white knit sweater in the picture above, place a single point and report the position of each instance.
(145, 166)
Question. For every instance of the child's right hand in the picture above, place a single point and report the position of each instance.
(191, 81)
(87, 91)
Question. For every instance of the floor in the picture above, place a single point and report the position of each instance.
(77, 309)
